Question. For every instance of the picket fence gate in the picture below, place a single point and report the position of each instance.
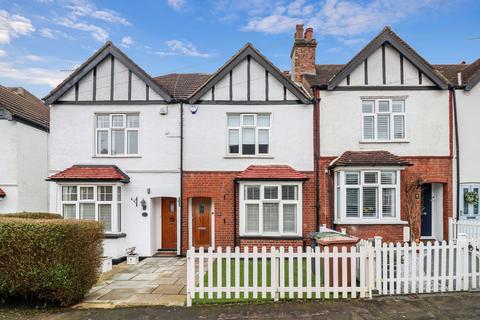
(471, 228)
(372, 267)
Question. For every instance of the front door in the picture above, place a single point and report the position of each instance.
(426, 210)
(201, 222)
(169, 223)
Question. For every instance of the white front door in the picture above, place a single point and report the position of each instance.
(469, 197)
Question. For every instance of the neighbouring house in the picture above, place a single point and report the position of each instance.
(383, 116)
(24, 126)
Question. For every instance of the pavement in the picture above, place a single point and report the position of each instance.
(154, 281)
(434, 306)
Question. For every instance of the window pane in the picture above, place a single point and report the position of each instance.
(69, 193)
(383, 127)
(370, 177)
(263, 141)
(465, 203)
(352, 178)
(369, 202)
(118, 141)
(87, 211)
(388, 202)
(69, 211)
(383, 106)
(117, 121)
(270, 192)
(233, 141)
(248, 120)
(248, 141)
(367, 106)
(233, 120)
(368, 128)
(119, 217)
(353, 202)
(252, 192)
(132, 142)
(103, 121)
(105, 215)
(263, 120)
(102, 142)
(119, 193)
(398, 106)
(399, 127)
(86, 193)
(270, 217)
(388, 177)
(289, 218)
(133, 121)
(289, 192)
(104, 193)
(252, 217)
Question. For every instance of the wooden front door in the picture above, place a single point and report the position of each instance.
(169, 223)
(201, 222)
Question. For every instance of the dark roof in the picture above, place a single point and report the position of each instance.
(368, 158)
(471, 74)
(2, 193)
(450, 71)
(270, 172)
(91, 173)
(324, 73)
(181, 85)
(24, 106)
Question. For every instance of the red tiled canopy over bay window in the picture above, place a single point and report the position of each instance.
(270, 172)
(91, 173)
(369, 159)
(2, 193)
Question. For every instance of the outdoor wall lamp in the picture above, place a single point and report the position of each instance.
(193, 108)
(143, 203)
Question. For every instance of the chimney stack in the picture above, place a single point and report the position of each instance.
(303, 53)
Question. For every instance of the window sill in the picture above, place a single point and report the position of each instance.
(110, 235)
(369, 222)
(382, 141)
(118, 156)
(248, 157)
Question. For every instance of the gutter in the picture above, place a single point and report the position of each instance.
(234, 213)
(457, 150)
(181, 176)
(316, 145)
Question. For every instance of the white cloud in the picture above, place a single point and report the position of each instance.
(13, 25)
(182, 48)
(54, 34)
(85, 8)
(338, 17)
(127, 41)
(177, 4)
(98, 33)
(32, 57)
(3, 53)
(38, 76)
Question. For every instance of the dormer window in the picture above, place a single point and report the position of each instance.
(117, 134)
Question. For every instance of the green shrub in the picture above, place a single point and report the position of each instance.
(32, 215)
(49, 260)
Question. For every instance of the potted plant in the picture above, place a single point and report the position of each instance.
(132, 257)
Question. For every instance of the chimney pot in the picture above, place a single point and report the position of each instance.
(309, 34)
(299, 32)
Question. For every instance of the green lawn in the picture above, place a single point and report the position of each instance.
(250, 297)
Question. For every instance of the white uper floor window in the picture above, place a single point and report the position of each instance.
(270, 209)
(93, 202)
(367, 196)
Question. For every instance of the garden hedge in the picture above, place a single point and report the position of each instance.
(33, 215)
(52, 261)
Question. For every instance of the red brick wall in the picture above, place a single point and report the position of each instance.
(430, 170)
(219, 186)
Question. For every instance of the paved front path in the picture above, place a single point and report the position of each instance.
(438, 306)
(154, 281)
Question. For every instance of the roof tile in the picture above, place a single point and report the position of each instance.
(181, 85)
(271, 172)
(368, 158)
(91, 172)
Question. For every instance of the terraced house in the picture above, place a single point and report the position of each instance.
(251, 155)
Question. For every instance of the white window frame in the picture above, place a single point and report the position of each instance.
(109, 134)
(254, 126)
(116, 227)
(471, 208)
(376, 113)
(261, 201)
(340, 204)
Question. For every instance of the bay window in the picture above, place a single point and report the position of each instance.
(270, 209)
(100, 203)
(367, 195)
(383, 120)
(248, 134)
(117, 134)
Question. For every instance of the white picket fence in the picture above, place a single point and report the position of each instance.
(471, 228)
(356, 272)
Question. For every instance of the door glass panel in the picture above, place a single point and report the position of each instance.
(465, 203)
(475, 206)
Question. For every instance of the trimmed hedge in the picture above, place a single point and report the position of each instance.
(32, 215)
(49, 260)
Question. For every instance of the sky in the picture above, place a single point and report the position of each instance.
(43, 41)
